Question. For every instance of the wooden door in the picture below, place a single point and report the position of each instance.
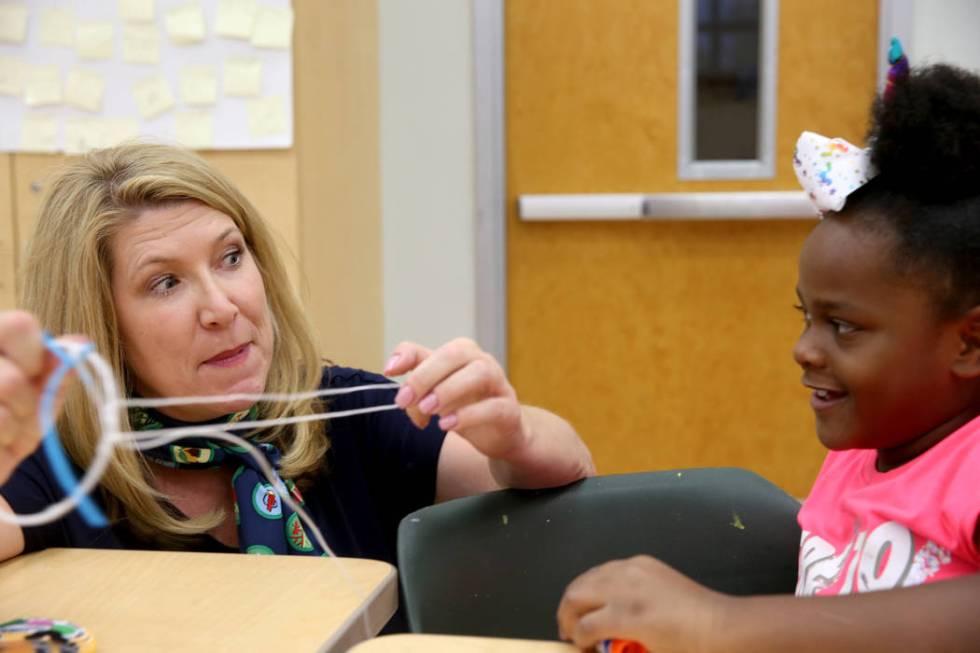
(667, 344)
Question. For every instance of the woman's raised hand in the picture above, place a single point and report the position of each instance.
(25, 365)
(466, 388)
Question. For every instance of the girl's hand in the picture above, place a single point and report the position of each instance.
(25, 365)
(644, 600)
(466, 388)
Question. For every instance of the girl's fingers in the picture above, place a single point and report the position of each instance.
(577, 601)
(595, 626)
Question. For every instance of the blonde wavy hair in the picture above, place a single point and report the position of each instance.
(67, 277)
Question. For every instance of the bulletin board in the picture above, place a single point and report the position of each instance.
(206, 74)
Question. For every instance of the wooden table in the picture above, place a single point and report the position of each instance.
(456, 644)
(170, 601)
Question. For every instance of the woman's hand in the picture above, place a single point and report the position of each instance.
(494, 441)
(25, 365)
(640, 599)
(466, 388)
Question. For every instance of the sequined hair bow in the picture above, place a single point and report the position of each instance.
(830, 169)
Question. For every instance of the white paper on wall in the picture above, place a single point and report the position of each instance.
(13, 22)
(57, 27)
(84, 89)
(137, 11)
(222, 84)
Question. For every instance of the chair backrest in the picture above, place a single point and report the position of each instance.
(496, 564)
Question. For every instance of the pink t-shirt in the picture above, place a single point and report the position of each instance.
(865, 530)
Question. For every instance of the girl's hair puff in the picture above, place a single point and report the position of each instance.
(925, 143)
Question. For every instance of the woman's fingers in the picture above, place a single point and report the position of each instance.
(21, 342)
(17, 392)
(493, 425)
(434, 368)
(477, 380)
(405, 357)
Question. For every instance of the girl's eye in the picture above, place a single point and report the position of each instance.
(164, 285)
(843, 328)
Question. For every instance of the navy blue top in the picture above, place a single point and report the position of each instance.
(379, 468)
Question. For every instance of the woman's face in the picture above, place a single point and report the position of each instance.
(191, 307)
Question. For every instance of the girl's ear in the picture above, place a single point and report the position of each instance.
(967, 362)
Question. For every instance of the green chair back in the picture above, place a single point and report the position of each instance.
(496, 564)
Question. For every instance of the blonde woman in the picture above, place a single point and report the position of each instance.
(153, 256)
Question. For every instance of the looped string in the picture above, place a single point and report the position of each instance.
(102, 389)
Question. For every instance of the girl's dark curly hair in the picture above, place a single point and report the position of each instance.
(925, 143)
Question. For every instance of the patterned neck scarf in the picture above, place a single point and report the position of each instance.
(266, 525)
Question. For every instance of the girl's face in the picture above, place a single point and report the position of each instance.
(191, 308)
(878, 360)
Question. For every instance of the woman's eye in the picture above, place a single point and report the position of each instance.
(234, 258)
(164, 285)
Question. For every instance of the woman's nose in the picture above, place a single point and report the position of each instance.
(217, 308)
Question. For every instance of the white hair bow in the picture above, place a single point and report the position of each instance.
(830, 169)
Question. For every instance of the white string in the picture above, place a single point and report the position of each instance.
(105, 396)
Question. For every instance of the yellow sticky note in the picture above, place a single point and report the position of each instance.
(39, 134)
(273, 28)
(140, 44)
(236, 18)
(13, 22)
(94, 39)
(195, 129)
(42, 85)
(266, 117)
(11, 76)
(243, 77)
(198, 84)
(153, 96)
(57, 27)
(84, 89)
(136, 11)
(185, 24)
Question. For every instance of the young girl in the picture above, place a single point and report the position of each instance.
(889, 288)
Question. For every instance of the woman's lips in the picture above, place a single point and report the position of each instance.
(230, 357)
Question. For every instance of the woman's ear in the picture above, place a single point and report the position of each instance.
(967, 362)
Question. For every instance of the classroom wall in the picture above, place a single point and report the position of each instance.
(427, 175)
(322, 196)
(945, 31)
